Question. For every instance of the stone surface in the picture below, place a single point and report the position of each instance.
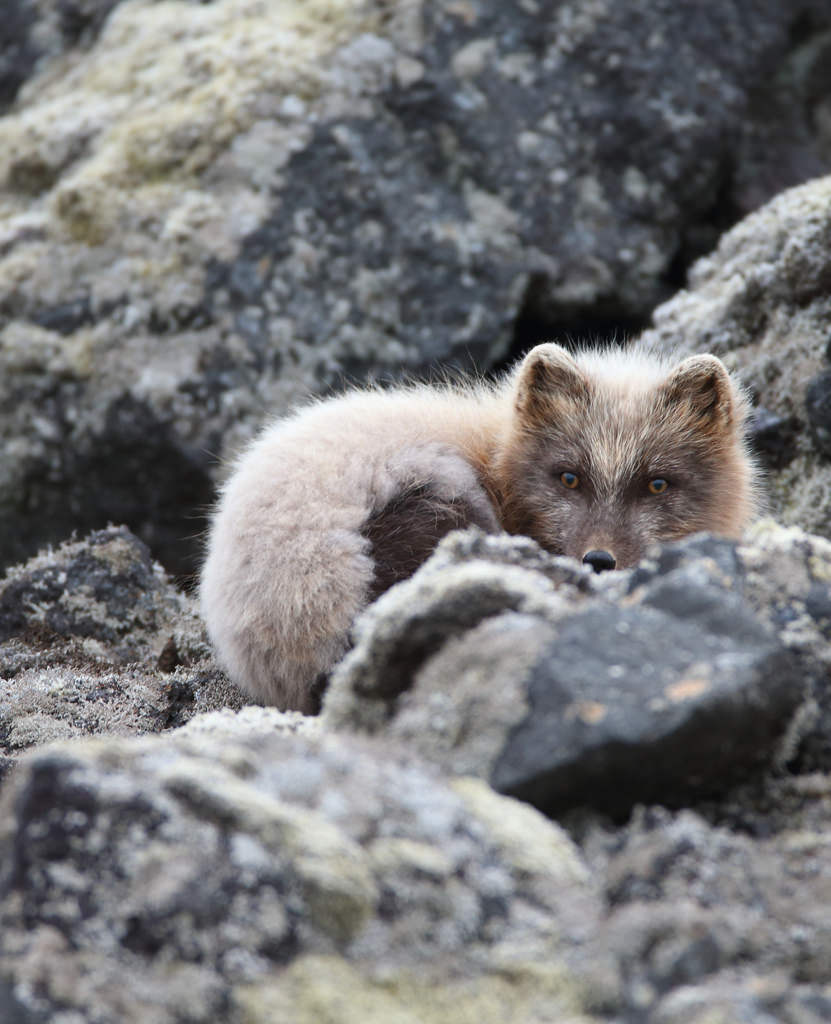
(709, 924)
(471, 578)
(94, 638)
(209, 211)
(253, 866)
(664, 684)
(246, 876)
(818, 410)
(650, 704)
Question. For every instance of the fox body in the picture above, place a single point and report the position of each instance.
(594, 455)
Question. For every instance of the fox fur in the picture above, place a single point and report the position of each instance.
(331, 505)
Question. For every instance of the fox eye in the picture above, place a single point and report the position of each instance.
(658, 485)
(570, 480)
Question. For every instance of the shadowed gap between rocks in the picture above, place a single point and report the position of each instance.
(139, 474)
(600, 324)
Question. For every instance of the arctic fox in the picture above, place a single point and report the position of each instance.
(594, 455)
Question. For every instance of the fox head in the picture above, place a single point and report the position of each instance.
(610, 451)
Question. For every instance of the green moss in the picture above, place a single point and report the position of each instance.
(338, 889)
(528, 841)
(327, 990)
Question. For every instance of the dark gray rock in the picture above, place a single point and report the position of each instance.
(106, 588)
(34, 31)
(233, 874)
(665, 684)
(341, 192)
(18, 52)
(773, 438)
(677, 698)
(818, 410)
(95, 638)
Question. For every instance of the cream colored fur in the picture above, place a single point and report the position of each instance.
(287, 568)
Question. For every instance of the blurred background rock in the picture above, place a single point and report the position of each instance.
(210, 210)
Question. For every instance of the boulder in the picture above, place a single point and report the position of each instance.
(231, 872)
(664, 684)
(94, 638)
(209, 211)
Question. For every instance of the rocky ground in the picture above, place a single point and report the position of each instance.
(168, 855)
(533, 794)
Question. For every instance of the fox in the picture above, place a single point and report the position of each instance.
(596, 455)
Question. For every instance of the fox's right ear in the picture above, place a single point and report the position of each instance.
(548, 375)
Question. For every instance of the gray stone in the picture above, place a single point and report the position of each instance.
(664, 684)
(470, 580)
(254, 866)
(818, 410)
(95, 638)
(707, 923)
(773, 437)
(247, 876)
(212, 210)
(18, 54)
(678, 698)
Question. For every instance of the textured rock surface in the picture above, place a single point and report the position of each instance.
(666, 684)
(209, 210)
(263, 878)
(94, 638)
(254, 866)
(711, 924)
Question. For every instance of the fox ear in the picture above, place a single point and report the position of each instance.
(547, 375)
(702, 386)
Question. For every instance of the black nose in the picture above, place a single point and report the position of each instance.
(600, 561)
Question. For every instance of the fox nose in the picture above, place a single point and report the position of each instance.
(600, 561)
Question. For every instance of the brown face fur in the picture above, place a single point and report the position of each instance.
(683, 426)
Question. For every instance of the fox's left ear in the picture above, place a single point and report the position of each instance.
(702, 385)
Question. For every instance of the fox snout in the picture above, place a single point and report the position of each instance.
(599, 559)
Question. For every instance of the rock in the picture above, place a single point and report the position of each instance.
(471, 579)
(773, 438)
(17, 52)
(664, 684)
(709, 924)
(252, 877)
(105, 589)
(678, 698)
(787, 580)
(94, 638)
(208, 211)
(818, 410)
(253, 865)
